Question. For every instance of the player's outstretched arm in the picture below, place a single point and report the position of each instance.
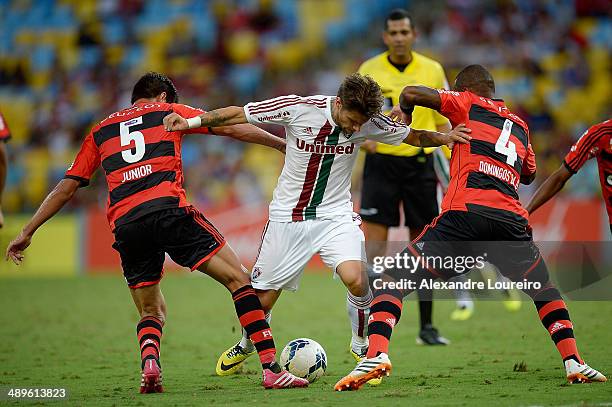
(61, 194)
(549, 188)
(412, 96)
(3, 170)
(424, 138)
(251, 134)
(226, 116)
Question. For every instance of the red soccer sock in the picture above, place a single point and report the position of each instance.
(384, 314)
(556, 320)
(149, 331)
(253, 320)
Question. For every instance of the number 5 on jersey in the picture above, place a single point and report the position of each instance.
(505, 146)
(126, 140)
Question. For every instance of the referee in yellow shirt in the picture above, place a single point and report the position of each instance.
(402, 175)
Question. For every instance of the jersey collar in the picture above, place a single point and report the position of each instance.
(499, 102)
(328, 110)
(409, 67)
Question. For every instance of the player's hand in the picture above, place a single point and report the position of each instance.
(460, 134)
(369, 146)
(1, 219)
(15, 249)
(175, 122)
(397, 114)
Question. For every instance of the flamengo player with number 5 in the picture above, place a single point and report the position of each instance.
(480, 205)
(150, 216)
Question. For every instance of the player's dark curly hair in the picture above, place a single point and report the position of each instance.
(475, 78)
(362, 94)
(152, 84)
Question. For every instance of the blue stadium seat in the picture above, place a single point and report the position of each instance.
(288, 15)
(602, 34)
(89, 56)
(132, 56)
(336, 33)
(62, 18)
(42, 58)
(245, 78)
(205, 29)
(114, 31)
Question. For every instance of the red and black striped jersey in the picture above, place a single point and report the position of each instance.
(141, 161)
(595, 142)
(485, 174)
(5, 133)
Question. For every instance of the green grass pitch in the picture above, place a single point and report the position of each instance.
(80, 334)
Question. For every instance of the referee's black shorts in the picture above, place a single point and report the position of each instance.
(389, 181)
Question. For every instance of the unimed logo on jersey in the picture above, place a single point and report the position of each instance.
(273, 116)
(383, 126)
(321, 148)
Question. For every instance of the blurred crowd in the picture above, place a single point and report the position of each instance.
(67, 63)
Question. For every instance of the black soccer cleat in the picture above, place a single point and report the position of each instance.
(429, 335)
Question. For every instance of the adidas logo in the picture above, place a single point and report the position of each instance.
(420, 245)
(148, 341)
(557, 326)
(390, 321)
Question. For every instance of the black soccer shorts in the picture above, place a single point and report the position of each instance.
(184, 233)
(460, 235)
(390, 180)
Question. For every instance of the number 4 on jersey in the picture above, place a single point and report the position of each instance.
(127, 138)
(505, 146)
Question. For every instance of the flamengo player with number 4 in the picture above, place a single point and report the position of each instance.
(311, 210)
(150, 216)
(481, 205)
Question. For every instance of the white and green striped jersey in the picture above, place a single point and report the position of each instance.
(316, 178)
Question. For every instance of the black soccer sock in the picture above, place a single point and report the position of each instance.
(552, 311)
(425, 307)
(149, 331)
(385, 313)
(556, 320)
(253, 320)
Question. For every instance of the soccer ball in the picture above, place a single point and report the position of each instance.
(304, 358)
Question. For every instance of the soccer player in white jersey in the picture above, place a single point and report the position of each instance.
(311, 210)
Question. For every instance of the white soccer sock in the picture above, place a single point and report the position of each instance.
(466, 303)
(358, 309)
(464, 298)
(245, 342)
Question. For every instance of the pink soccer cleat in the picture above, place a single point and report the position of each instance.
(151, 378)
(282, 380)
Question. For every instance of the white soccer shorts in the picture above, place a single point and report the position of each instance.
(287, 247)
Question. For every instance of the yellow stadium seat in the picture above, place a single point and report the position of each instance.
(242, 47)
(36, 164)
